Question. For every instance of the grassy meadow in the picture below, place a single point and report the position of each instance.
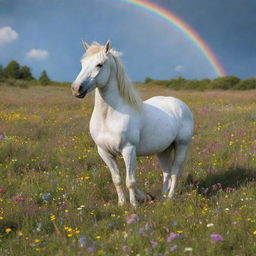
(57, 197)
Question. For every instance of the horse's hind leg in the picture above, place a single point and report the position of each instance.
(165, 160)
(180, 155)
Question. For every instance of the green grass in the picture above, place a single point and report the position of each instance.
(55, 189)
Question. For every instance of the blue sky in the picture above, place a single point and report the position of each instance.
(46, 34)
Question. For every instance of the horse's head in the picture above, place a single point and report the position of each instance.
(95, 70)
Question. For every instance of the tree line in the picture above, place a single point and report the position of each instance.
(14, 71)
(222, 83)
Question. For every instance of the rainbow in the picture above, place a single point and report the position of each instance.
(184, 28)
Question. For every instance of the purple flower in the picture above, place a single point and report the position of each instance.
(154, 244)
(216, 238)
(142, 232)
(46, 196)
(171, 249)
(82, 241)
(132, 218)
(91, 249)
(125, 248)
(171, 237)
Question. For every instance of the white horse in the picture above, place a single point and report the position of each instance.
(122, 124)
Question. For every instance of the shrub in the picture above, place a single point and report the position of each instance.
(247, 84)
(226, 82)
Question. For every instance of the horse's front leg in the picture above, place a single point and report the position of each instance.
(129, 155)
(110, 161)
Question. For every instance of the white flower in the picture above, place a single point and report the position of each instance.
(188, 249)
(209, 225)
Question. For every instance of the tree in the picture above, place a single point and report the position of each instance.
(148, 80)
(12, 70)
(247, 84)
(44, 79)
(25, 73)
(1, 72)
(226, 82)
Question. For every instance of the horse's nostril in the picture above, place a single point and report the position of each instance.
(80, 89)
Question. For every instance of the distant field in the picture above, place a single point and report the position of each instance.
(57, 197)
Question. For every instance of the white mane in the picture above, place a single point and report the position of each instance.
(125, 86)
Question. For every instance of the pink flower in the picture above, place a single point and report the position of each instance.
(154, 244)
(19, 199)
(229, 190)
(2, 191)
(132, 218)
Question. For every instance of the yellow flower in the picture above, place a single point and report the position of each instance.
(254, 232)
(20, 233)
(69, 235)
(1, 217)
(37, 240)
(97, 237)
(53, 217)
(8, 230)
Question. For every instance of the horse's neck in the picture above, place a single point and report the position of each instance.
(107, 99)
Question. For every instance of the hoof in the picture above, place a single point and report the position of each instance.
(149, 197)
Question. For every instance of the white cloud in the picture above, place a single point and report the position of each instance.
(179, 68)
(7, 35)
(37, 54)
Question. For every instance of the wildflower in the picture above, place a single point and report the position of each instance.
(254, 232)
(46, 196)
(19, 199)
(97, 237)
(148, 226)
(1, 136)
(125, 248)
(154, 244)
(20, 233)
(142, 232)
(188, 249)
(216, 238)
(132, 218)
(2, 191)
(69, 235)
(171, 237)
(82, 241)
(229, 190)
(37, 240)
(1, 217)
(53, 217)
(91, 249)
(171, 249)
(8, 230)
(209, 225)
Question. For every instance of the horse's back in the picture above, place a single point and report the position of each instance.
(169, 115)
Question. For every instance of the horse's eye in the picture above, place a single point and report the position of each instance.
(99, 65)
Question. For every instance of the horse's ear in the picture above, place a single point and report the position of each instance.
(107, 46)
(86, 46)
